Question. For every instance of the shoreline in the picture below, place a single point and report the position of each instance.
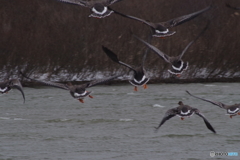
(153, 81)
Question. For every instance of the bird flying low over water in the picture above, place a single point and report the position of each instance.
(184, 111)
(98, 7)
(229, 6)
(161, 29)
(177, 64)
(232, 110)
(77, 91)
(139, 77)
(9, 85)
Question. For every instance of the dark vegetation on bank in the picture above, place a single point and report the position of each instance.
(47, 36)
(153, 81)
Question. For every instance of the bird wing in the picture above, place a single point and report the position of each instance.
(209, 126)
(114, 57)
(186, 48)
(15, 83)
(77, 2)
(147, 49)
(113, 1)
(100, 81)
(53, 84)
(169, 114)
(221, 105)
(184, 18)
(160, 53)
(229, 6)
(134, 18)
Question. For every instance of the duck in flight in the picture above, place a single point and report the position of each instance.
(232, 110)
(161, 29)
(184, 111)
(78, 92)
(177, 64)
(139, 77)
(8, 85)
(98, 7)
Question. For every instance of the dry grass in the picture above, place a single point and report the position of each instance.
(51, 36)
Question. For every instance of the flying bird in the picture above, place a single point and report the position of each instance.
(78, 92)
(161, 29)
(98, 7)
(8, 85)
(232, 110)
(184, 111)
(177, 64)
(139, 77)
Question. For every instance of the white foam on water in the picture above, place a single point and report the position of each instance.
(4, 118)
(12, 114)
(209, 85)
(125, 119)
(19, 119)
(131, 93)
(64, 120)
(158, 105)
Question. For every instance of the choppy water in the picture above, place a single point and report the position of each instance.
(117, 124)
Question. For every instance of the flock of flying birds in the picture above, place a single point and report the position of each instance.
(101, 9)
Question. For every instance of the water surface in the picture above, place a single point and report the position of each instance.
(118, 123)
